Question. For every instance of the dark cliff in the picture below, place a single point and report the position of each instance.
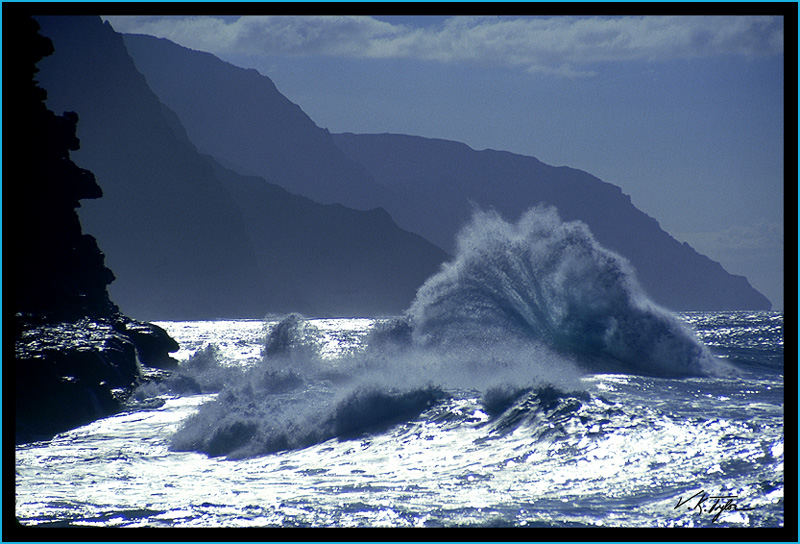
(171, 232)
(76, 357)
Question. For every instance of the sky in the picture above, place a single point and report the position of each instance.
(684, 113)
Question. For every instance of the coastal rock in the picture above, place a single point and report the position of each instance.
(76, 356)
(68, 374)
(72, 372)
(152, 344)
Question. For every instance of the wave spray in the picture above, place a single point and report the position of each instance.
(515, 319)
(549, 282)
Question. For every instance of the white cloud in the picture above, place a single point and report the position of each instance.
(565, 70)
(551, 45)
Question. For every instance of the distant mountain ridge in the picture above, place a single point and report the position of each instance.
(428, 186)
(190, 239)
(256, 130)
(329, 259)
(453, 175)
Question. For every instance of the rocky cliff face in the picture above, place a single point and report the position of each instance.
(76, 357)
(170, 230)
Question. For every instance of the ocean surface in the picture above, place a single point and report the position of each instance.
(530, 384)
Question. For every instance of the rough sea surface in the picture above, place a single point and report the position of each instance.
(615, 450)
(531, 382)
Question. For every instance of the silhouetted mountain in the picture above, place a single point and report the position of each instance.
(240, 118)
(428, 186)
(75, 354)
(198, 240)
(440, 179)
(331, 259)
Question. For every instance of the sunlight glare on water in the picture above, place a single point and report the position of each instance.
(622, 453)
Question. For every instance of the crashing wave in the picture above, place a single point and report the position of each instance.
(512, 318)
(549, 282)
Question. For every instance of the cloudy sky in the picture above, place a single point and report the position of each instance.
(685, 114)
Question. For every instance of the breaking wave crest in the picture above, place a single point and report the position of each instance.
(549, 282)
(245, 422)
(520, 314)
(293, 398)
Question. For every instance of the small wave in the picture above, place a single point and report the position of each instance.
(202, 373)
(545, 409)
(293, 337)
(498, 399)
(392, 335)
(245, 423)
(550, 413)
(374, 410)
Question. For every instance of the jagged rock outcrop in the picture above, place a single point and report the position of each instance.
(68, 373)
(76, 357)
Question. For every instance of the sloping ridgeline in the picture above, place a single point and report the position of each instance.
(241, 118)
(75, 354)
(216, 243)
(425, 184)
(453, 174)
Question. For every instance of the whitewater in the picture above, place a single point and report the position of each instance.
(531, 383)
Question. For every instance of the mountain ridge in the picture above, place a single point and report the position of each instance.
(175, 233)
(673, 273)
(430, 185)
(258, 132)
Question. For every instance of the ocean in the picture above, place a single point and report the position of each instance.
(531, 383)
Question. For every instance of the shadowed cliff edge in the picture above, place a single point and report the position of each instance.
(76, 356)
